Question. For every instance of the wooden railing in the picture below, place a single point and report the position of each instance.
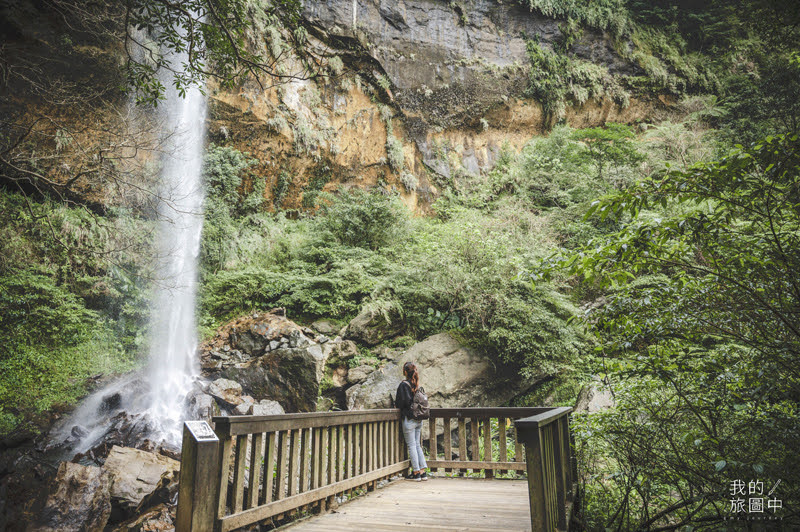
(270, 465)
(252, 468)
(473, 430)
(551, 467)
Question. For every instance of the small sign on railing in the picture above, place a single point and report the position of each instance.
(201, 430)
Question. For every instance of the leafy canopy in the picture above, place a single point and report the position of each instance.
(699, 334)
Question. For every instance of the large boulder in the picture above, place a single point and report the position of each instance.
(452, 374)
(359, 374)
(265, 407)
(226, 390)
(325, 327)
(372, 328)
(269, 357)
(79, 500)
(252, 336)
(290, 376)
(135, 475)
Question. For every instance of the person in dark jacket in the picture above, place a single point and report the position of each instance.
(412, 428)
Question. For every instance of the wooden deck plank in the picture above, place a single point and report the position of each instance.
(441, 504)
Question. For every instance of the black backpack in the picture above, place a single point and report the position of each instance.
(419, 405)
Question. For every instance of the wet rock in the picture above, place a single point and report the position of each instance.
(201, 405)
(79, 500)
(157, 519)
(244, 408)
(79, 432)
(253, 335)
(165, 492)
(289, 376)
(324, 327)
(594, 397)
(372, 328)
(359, 374)
(265, 407)
(227, 391)
(135, 475)
(325, 404)
(342, 351)
(111, 402)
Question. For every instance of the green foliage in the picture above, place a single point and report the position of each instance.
(225, 206)
(609, 145)
(51, 344)
(280, 189)
(394, 151)
(703, 351)
(335, 65)
(556, 80)
(606, 15)
(358, 218)
(70, 306)
(213, 33)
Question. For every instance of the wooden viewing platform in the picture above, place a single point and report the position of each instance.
(440, 504)
(252, 469)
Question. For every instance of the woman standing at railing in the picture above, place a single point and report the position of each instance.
(412, 427)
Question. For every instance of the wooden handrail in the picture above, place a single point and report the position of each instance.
(550, 468)
(473, 429)
(269, 466)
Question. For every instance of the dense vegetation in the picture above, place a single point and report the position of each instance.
(674, 243)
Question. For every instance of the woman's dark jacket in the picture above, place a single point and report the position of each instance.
(404, 398)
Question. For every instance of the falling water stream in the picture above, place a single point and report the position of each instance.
(155, 399)
(173, 365)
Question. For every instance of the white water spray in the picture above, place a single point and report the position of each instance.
(173, 365)
(154, 402)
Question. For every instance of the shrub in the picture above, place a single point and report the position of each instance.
(363, 219)
(394, 152)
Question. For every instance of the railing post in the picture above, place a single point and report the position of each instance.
(199, 479)
(556, 462)
(531, 437)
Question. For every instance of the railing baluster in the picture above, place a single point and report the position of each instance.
(324, 449)
(474, 427)
(462, 442)
(283, 460)
(362, 448)
(501, 432)
(518, 453)
(488, 455)
(373, 446)
(256, 457)
(294, 462)
(331, 433)
(304, 459)
(315, 454)
(238, 473)
(339, 453)
(433, 453)
(380, 448)
(447, 443)
(269, 467)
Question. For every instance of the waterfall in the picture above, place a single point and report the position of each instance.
(154, 400)
(173, 365)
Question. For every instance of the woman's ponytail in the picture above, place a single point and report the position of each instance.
(410, 371)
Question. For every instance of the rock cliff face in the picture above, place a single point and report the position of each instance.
(450, 58)
(414, 95)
